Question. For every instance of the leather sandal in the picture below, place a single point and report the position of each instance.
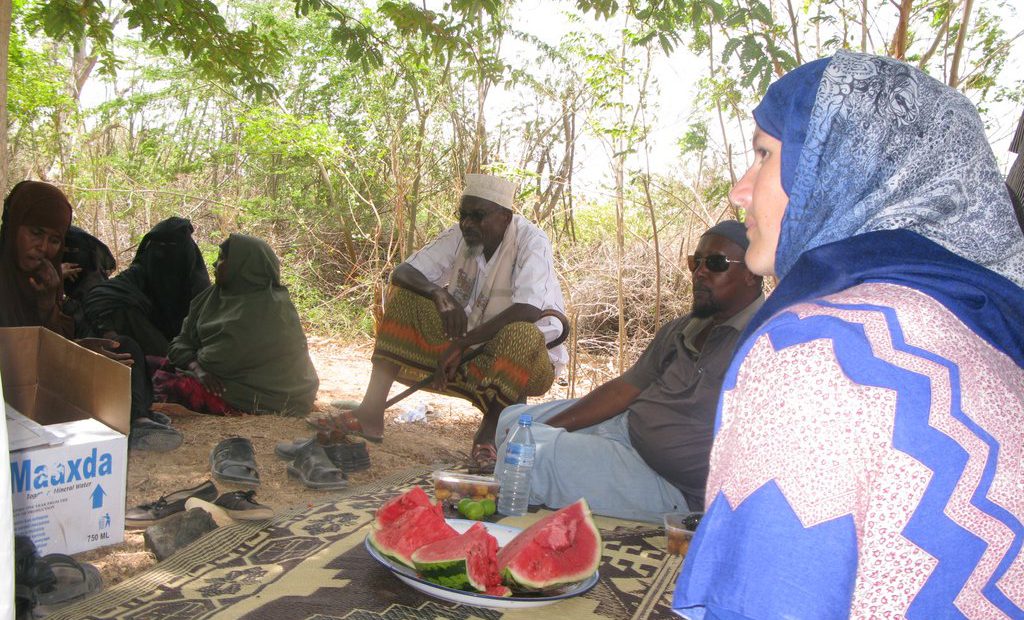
(75, 581)
(341, 421)
(482, 459)
(314, 468)
(234, 460)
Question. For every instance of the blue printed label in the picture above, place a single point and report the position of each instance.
(520, 455)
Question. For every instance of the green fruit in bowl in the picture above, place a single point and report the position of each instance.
(489, 507)
(461, 506)
(474, 511)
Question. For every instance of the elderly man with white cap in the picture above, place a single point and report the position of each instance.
(638, 446)
(484, 281)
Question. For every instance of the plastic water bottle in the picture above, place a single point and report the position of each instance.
(514, 496)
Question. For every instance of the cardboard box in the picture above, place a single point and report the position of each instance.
(69, 497)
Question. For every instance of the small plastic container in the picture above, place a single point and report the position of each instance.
(451, 486)
(679, 530)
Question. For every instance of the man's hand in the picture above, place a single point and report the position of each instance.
(70, 271)
(447, 365)
(209, 381)
(103, 346)
(453, 317)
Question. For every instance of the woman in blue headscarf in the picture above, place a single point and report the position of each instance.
(869, 448)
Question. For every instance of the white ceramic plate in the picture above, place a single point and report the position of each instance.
(503, 534)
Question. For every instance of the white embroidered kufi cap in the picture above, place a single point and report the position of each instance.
(489, 187)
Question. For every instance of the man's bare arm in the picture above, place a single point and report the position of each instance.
(605, 402)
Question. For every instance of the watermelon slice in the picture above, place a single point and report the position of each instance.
(418, 526)
(498, 590)
(466, 562)
(397, 506)
(561, 549)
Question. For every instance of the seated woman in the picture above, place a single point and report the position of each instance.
(149, 300)
(87, 263)
(36, 218)
(242, 342)
(869, 441)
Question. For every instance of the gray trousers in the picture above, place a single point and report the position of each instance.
(597, 462)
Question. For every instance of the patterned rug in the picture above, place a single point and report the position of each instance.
(310, 564)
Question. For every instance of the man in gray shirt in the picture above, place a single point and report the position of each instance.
(638, 446)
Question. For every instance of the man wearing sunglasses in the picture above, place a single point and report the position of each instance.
(638, 446)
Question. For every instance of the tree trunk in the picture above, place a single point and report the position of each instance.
(5, 43)
(899, 39)
(961, 37)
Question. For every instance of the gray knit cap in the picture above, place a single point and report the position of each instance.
(731, 230)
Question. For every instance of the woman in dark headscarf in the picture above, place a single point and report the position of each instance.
(36, 218)
(87, 263)
(870, 436)
(149, 300)
(242, 339)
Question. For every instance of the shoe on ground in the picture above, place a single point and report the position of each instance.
(347, 456)
(242, 505)
(160, 418)
(151, 436)
(152, 513)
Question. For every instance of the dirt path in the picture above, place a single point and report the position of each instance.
(344, 368)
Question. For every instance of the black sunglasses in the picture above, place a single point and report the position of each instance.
(716, 262)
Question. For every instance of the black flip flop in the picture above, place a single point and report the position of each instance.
(234, 460)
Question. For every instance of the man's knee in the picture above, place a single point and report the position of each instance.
(521, 335)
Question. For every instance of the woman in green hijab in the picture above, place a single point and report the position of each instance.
(242, 339)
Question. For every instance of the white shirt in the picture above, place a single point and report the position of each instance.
(534, 280)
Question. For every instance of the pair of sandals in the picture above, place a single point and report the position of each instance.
(233, 461)
(482, 458)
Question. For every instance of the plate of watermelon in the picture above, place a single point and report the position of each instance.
(486, 564)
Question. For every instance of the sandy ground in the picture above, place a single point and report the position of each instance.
(443, 437)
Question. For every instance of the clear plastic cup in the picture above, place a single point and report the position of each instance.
(679, 530)
(677, 536)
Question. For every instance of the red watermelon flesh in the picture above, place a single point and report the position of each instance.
(466, 562)
(562, 548)
(397, 506)
(418, 526)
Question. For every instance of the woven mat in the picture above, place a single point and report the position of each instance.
(311, 564)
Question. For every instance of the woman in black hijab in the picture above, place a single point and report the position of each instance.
(149, 300)
(36, 218)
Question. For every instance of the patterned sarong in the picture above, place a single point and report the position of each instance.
(513, 365)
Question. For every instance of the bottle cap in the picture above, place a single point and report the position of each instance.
(526, 419)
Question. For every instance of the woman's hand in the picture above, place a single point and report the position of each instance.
(103, 346)
(70, 271)
(45, 282)
(209, 381)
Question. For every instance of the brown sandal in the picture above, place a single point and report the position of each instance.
(483, 458)
(342, 421)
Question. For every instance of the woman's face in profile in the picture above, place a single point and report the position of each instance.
(759, 192)
(35, 244)
(220, 266)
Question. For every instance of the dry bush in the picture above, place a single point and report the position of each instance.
(589, 283)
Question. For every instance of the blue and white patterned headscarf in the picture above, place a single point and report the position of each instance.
(888, 147)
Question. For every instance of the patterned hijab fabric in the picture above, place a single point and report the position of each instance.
(888, 147)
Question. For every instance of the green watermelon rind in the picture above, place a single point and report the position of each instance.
(425, 521)
(452, 574)
(451, 567)
(520, 583)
